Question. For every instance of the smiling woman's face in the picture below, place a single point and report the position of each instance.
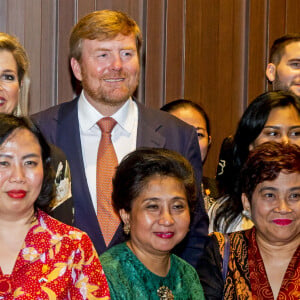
(160, 216)
(21, 173)
(9, 84)
(275, 209)
(282, 126)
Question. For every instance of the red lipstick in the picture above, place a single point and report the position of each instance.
(164, 235)
(17, 194)
(282, 222)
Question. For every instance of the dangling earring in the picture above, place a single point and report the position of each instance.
(246, 213)
(126, 228)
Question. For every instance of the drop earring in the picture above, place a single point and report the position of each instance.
(246, 213)
(126, 228)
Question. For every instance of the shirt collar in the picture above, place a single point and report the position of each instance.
(88, 115)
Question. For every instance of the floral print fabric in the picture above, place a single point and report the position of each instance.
(57, 261)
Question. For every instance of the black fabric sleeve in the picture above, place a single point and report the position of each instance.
(209, 270)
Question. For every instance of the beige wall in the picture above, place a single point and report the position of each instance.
(210, 51)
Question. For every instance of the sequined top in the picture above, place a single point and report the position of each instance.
(128, 278)
(56, 261)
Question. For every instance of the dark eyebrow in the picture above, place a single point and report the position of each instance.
(176, 198)
(267, 188)
(24, 157)
(151, 199)
(200, 128)
(276, 189)
(273, 126)
(31, 155)
(179, 198)
(278, 127)
(295, 188)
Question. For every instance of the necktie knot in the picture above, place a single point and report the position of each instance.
(107, 124)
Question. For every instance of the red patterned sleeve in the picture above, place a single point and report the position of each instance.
(89, 281)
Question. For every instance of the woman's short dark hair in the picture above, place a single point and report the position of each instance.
(139, 166)
(265, 163)
(10, 124)
(183, 103)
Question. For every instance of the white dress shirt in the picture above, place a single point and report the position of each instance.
(123, 136)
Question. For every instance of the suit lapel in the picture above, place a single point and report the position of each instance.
(147, 136)
(68, 138)
(148, 126)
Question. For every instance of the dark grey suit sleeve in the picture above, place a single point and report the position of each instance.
(192, 247)
(62, 205)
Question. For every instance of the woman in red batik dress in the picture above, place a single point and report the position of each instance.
(40, 257)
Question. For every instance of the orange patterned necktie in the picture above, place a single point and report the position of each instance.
(106, 165)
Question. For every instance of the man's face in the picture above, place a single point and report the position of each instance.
(286, 75)
(108, 70)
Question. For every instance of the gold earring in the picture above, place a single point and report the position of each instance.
(126, 228)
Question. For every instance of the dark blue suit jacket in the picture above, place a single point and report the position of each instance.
(156, 129)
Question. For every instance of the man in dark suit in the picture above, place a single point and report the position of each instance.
(104, 52)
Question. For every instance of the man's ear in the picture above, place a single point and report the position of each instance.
(76, 68)
(271, 72)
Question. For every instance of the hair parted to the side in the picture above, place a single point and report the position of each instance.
(139, 166)
(10, 124)
(102, 25)
(278, 46)
(11, 44)
(184, 103)
(265, 163)
(254, 119)
(250, 126)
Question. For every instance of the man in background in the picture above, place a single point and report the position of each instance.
(283, 69)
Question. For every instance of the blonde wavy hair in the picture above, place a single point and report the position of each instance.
(11, 43)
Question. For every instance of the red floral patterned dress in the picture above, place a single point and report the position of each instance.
(57, 261)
